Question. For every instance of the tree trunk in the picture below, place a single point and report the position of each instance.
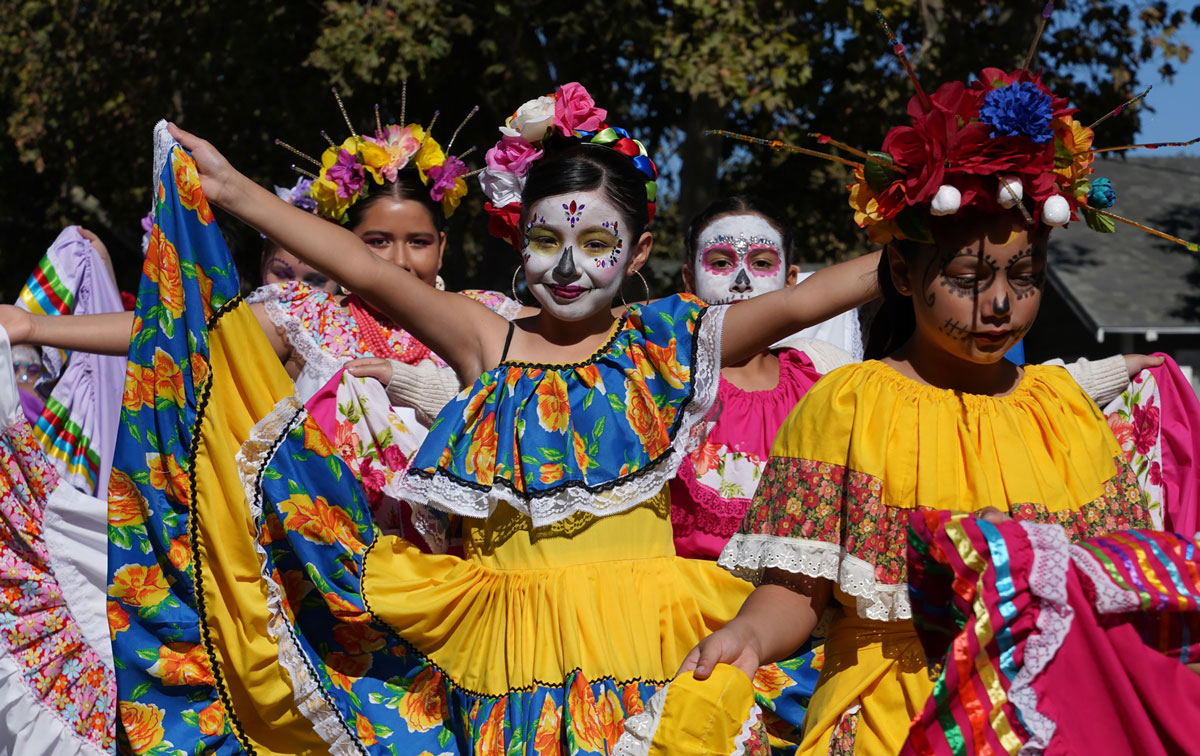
(700, 156)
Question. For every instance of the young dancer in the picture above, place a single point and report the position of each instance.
(942, 422)
(556, 458)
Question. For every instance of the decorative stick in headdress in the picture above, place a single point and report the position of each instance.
(1121, 108)
(1046, 11)
(1191, 246)
(775, 144)
(303, 172)
(1150, 146)
(298, 153)
(378, 123)
(899, 50)
(403, 98)
(342, 108)
(454, 136)
(826, 139)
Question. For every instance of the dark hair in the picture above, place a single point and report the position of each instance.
(406, 187)
(585, 168)
(894, 321)
(739, 204)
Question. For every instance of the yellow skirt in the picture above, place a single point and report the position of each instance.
(873, 682)
(602, 595)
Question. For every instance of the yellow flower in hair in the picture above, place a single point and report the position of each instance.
(329, 203)
(453, 198)
(428, 156)
(374, 158)
(1072, 138)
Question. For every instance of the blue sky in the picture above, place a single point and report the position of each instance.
(1177, 103)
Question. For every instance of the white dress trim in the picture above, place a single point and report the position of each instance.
(1048, 583)
(449, 495)
(310, 698)
(747, 555)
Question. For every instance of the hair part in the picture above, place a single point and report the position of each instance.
(739, 204)
(586, 168)
(407, 187)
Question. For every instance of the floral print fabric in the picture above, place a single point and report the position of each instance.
(1136, 420)
(60, 671)
(168, 696)
(601, 435)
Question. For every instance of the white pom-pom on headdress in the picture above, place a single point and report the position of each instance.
(947, 201)
(1056, 211)
(1011, 191)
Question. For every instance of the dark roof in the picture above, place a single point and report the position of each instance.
(1130, 281)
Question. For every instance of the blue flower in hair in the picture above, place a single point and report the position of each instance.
(1101, 195)
(1020, 109)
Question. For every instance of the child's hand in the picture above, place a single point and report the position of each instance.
(94, 240)
(993, 515)
(729, 645)
(218, 178)
(1136, 363)
(371, 367)
(17, 322)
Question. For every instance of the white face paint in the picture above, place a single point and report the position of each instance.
(575, 253)
(738, 257)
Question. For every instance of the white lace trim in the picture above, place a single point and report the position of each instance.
(640, 728)
(163, 144)
(31, 728)
(318, 363)
(748, 555)
(447, 494)
(1110, 598)
(251, 458)
(752, 719)
(1047, 583)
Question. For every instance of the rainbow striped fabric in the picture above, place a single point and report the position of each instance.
(78, 426)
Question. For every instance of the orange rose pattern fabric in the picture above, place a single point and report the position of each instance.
(315, 527)
(534, 430)
(168, 701)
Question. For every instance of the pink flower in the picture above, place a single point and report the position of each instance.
(1145, 427)
(373, 479)
(575, 110)
(444, 176)
(394, 458)
(512, 155)
(347, 174)
(1155, 474)
(1123, 430)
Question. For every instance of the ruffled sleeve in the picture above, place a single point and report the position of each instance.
(866, 446)
(302, 313)
(599, 436)
(505, 307)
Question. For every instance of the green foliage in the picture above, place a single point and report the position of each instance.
(81, 85)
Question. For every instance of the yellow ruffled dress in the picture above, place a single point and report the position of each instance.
(864, 448)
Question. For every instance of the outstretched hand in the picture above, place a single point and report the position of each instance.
(217, 177)
(1136, 363)
(726, 646)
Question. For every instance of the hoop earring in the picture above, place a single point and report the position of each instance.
(345, 292)
(645, 286)
(439, 283)
(516, 271)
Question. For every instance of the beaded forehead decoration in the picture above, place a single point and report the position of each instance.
(1003, 142)
(570, 115)
(741, 243)
(344, 168)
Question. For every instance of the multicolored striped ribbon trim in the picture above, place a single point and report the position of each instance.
(46, 294)
(64, 440)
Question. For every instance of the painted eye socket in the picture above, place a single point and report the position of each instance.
(542, 242)
(598, 246)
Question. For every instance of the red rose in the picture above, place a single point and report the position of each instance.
(505, 223)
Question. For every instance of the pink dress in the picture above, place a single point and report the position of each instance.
(716, 483)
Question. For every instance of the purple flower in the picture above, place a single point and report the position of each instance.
(444, 176)
(347, 173)
(1019, 109)
(148, 222)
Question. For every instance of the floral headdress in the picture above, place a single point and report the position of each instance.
(1002, 142)
(346, 167)
(569, 115)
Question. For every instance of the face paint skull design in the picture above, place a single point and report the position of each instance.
(575, 254)
(739, 257)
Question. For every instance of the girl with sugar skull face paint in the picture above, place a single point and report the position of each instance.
(557, 456)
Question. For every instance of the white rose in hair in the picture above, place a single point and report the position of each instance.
(532, 121)
(501, 187)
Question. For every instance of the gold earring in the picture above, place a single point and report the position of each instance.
(645, 286)
(516, 272)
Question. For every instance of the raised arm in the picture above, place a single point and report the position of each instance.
(107, 333)
(460, 330)
(753, 325)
